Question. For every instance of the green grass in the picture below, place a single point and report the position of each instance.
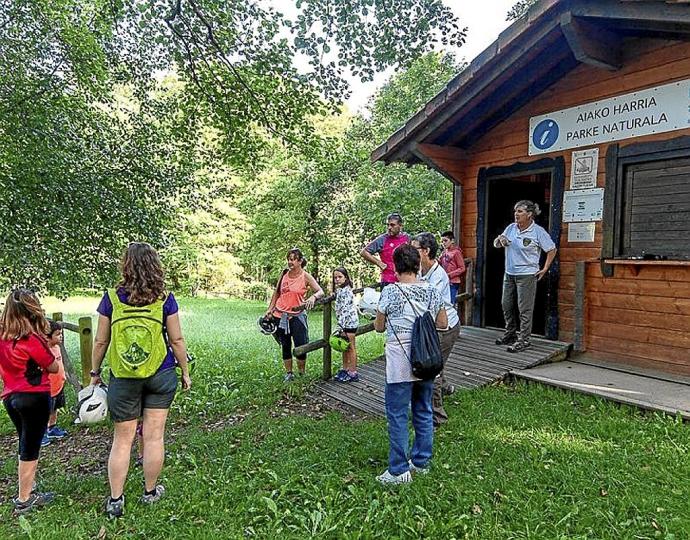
(513, 462)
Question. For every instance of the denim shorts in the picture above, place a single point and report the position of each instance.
(127, 398)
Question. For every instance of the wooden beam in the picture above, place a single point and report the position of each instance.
(591, 44)
(580, 306)
(438, 157)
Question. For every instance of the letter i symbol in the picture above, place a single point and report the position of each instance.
(545, 135)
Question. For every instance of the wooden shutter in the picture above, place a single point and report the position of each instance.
(656, 209)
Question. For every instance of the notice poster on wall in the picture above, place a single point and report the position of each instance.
(583, 169)
(581, 232)
(583, 205)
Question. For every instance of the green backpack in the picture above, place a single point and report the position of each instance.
(137, 347)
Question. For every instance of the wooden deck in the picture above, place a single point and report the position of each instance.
(474, 361)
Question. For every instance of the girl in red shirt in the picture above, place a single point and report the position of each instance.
(25, 362)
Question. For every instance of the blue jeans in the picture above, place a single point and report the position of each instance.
(454, 288)
(399, 397)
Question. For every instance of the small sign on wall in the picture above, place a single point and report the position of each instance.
(583, 205)
(581, 232)
(583, 169)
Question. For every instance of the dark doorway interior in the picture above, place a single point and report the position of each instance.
(501, 195)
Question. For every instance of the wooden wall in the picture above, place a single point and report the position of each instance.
(642, 319)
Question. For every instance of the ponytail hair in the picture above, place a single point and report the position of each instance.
(297, 253)
(529, 206)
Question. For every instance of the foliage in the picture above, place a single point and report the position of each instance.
(519, 9)
(98, 148)
(244, 460)
(334, 200)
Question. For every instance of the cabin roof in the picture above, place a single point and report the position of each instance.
(550, 40)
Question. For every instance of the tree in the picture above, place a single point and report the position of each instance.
(82, 170)
(519, 9)
(333, 200)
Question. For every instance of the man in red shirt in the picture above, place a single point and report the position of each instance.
(384, 246)
(453, 262)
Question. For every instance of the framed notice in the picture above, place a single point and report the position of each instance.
(583, 205)
(581, 232)
(583, 169)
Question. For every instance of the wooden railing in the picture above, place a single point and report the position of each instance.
(464, 299)
(85, 331)
(327, 329)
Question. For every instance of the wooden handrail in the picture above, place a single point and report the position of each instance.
(85, 331)
(327, 329)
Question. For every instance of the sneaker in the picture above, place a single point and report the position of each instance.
(448, 390)
(388, 478)
(150, 498)
(351, 377)
(289, 377)
(45, 441)
(56, 432)
(506, 340)
(519, 346)
(340, 375)
(139, 462)
(35, 501)
(417, 470)
(115, 508)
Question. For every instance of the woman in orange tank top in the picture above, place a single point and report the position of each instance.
(288, 305)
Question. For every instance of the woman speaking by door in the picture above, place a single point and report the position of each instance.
(523, 241)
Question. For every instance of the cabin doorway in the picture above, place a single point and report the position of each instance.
(499, 189)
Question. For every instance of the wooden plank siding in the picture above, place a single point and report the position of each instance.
(642, 316)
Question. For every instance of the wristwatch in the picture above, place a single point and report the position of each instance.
(95, 373)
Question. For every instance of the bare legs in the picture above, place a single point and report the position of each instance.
(154, 450)
(26, 471)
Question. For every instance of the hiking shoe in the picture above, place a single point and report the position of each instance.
(506, 340)
(150, 498)
(56, 432)
(35, 501)
(388, 478)
(519, 346)
(289, 377)
(115, 508)
(45, 441)
(417, 470)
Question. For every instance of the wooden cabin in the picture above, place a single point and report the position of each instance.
(583, 107)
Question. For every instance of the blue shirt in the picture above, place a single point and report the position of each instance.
(170, 307)
(524, 250)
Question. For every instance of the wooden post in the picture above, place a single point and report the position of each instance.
(579, 312)
(469, 289)
(457, 213)
(85, 348)
(327, 317)
(69, 368)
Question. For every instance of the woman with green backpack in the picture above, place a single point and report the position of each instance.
(139, 327)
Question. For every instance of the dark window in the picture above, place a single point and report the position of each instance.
(647, 201)
(655, 218)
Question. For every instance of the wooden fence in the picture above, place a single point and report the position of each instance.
(85, 330)
(464, 299)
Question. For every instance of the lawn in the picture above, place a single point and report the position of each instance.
(248, 456)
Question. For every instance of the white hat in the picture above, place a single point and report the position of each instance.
(92, 404)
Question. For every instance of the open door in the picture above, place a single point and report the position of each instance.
(499, 188)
